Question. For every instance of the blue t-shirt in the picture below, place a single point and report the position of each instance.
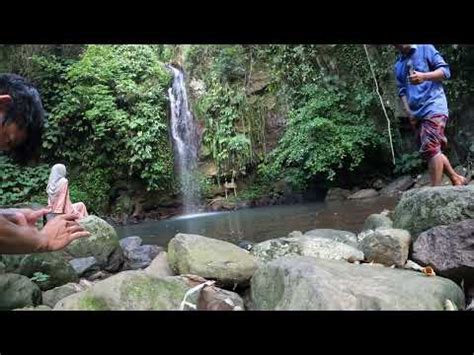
(428, 98)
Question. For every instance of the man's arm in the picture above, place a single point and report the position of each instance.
(24, 239)
(438, 66)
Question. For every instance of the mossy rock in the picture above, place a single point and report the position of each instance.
(18, 291)
(53, 264)
(211, 259)
(427, 207)
(130, 290)
(103, 244)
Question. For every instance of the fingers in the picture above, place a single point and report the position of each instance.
(67, 217)
(75, 228)
(78, 235)
(19, 219)
(38, 214)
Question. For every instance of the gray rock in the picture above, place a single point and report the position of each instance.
(364, 193)
(103, 244)
(337, 194)
(316, 243)
(130, 243)
(276, 248)
(136, 290)
(41, 307)
(377, 220)
(210, 258)
(346, 237)
(387, 246)
(18, 291)
(398, 186)
(421, 209)
(245, 244)
(142, 256)
(378, 184)
(128, 290)
(159, 267)
(2, 268)
(99, 275)
(449, 250)
(306, 283)
(52, 264)
(84, 266)
(53, 296)
(212, 298)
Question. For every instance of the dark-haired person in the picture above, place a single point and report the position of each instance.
(419, 71)
(21, 124)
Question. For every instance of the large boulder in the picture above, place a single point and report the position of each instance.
(54, 265)
(128, 290)
(316, 243)
(346, 237)
(159, 267)
(136, 290)
(337, 194)
(398, 186)
(103, 244)
(18, 291)
(212, 298)
(210, 258)
(141, 256)
(377, 220)
(307, 283)
(85, 266)
(449, 250)
(364, 193)
(387, 246)
(53, 296)
(130, 243)
(427, 207)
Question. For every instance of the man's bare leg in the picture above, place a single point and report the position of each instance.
(435, 168)
(455, 178)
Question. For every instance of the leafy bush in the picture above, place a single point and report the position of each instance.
(107, 117)
(409, 164)
(26, 184)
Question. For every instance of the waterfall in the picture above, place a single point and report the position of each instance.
(185, 136)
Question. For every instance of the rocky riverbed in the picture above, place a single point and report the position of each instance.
(420, 256)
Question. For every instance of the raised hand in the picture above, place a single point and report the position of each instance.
(60, 232)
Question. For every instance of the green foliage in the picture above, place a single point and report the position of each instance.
(330, 125)
(222, 108)
(39, 277)
(89, 187)
(108, 115)
(234, 124)
(323, 135)
(409, 164)
(25, 185)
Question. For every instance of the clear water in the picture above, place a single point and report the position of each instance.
(259, 224)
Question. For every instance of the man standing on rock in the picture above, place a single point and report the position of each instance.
(419, 71)
(21, 123)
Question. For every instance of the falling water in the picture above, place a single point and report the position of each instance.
(185, 140)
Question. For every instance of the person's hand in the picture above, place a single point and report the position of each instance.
(59, 232)
(417, 77)
(27, 216)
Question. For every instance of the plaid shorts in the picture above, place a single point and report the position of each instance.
(432, 136)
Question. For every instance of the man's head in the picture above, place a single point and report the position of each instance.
(403, 48)
(21, 117)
